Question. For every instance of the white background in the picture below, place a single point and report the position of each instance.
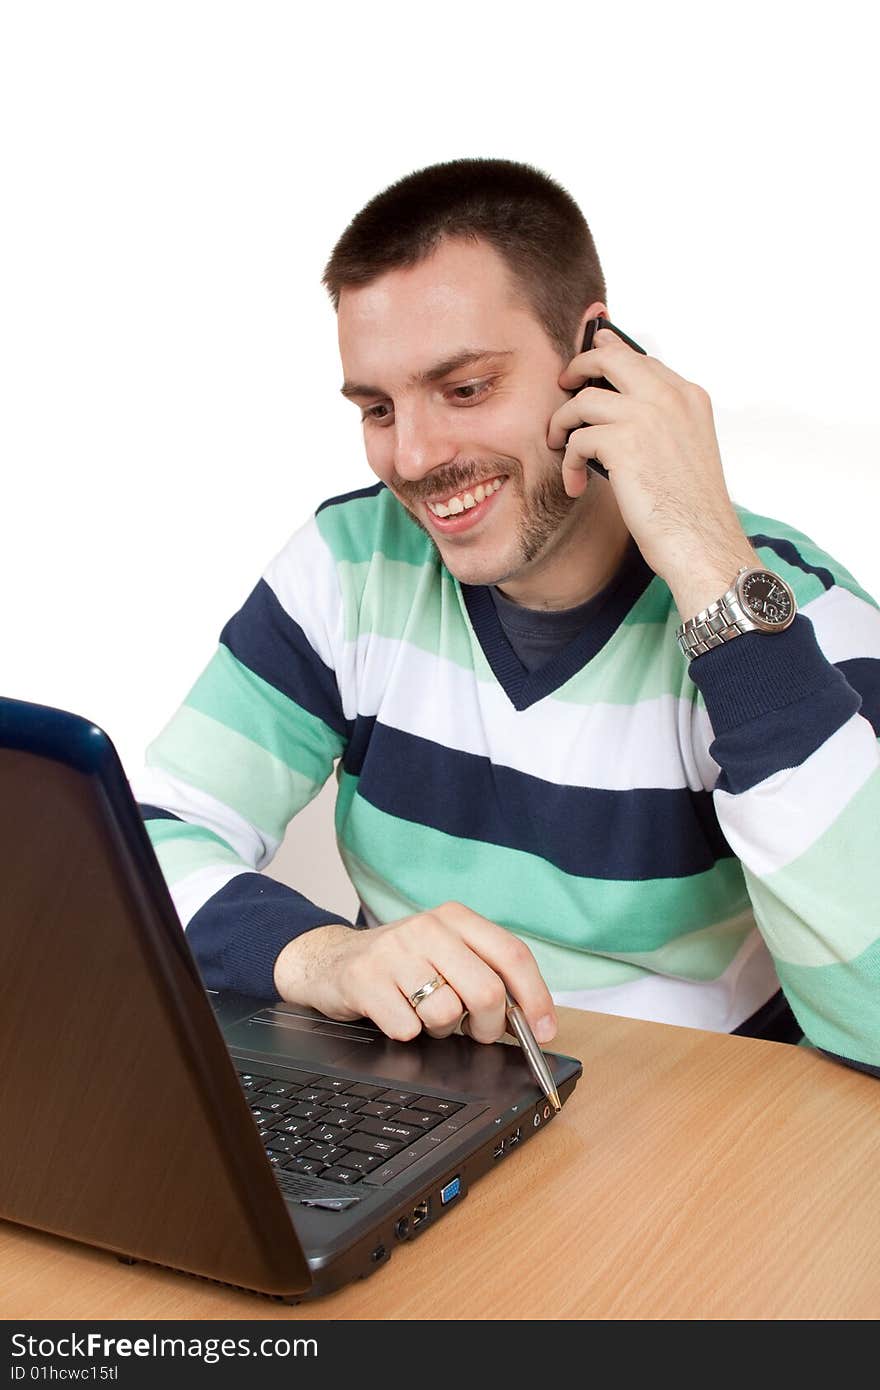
(174, 176)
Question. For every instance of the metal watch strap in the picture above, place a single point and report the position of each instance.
(720, 622)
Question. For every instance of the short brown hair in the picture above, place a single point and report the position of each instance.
(529, 219)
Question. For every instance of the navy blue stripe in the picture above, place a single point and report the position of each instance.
(237, 935)
(588, 832)
(524, 687)
(352, 496)
(863, 674)
(149, 812)
(848, 1062)
(773, 699)
(792, 556)
(265, 639)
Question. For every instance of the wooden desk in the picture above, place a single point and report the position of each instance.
(691, 1176)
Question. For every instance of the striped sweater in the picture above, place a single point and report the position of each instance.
(672, 842)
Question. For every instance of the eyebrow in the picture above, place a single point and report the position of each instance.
(465, 358)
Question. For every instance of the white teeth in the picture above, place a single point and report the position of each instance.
(466, 501)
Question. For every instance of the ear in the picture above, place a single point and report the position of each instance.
(594, 311)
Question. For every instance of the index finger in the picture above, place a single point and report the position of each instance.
(629, 371)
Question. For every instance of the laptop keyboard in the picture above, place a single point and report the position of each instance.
(343, 1131)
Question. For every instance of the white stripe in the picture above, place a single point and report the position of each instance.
(718, 1005)
(191, 893)
(611, 746)
(846, 626)
(778, 820)
(304, 579)
(157, 788)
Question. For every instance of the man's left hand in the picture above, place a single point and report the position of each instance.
(656, 437)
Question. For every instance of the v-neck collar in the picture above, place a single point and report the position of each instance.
(524, 688)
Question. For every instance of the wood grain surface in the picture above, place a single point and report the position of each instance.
(691, 1176)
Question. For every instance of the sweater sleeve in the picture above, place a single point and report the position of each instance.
(789, 733)
(252, 744)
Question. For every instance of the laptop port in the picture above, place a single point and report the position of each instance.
(514, 1137)
(420, 1213)
(450, 1191)
(498, 1149)
(401, 1230)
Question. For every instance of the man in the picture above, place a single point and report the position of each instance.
(539, 786)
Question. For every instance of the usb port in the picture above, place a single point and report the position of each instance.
(498, 1149)
(450, 1191)
(514, 1138)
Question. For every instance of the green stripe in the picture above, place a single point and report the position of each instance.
(822, 908)
(182, 849)
(421, 606)
(235, 696)
(205, 754)
(428, 867)
(836, 1005)
(365, 526)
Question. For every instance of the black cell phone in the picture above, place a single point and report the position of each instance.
(590, 332)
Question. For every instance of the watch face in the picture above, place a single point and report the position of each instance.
(767, 599)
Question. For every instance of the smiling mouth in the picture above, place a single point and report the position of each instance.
(465, 501)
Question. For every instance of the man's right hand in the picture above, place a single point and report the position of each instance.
(347, 973)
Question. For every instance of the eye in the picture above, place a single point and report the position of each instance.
(471, 391)
(375, 413)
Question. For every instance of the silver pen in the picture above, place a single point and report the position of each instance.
(534, 1056)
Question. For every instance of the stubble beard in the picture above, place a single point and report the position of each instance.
(543, 511)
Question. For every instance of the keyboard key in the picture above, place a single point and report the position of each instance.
(286, 1143)
(308, 1110)
(361, 1162)
(371, 1144)
(399, 1097)
(332, 1083)
(251, 1082)
(422, 1119)
(326, 1134)
(368, 1092)
(277, 1160)
(309, 1166)
(377, 1109)
(346, 1175)
(325, 1153)
(277, 1104)
(345, 1119)
(390, 1129)
(439, 1107)
(317, 1094)
(343, 1102)
(280, 1088)
(263, 1117)
(287, 1125)
(298, 1078)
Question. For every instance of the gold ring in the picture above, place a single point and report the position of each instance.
(425, 990)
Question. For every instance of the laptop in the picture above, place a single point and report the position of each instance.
(255, 1143)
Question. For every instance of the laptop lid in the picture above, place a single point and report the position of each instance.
(124, 1123)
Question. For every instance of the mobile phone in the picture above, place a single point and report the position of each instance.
(590, 332)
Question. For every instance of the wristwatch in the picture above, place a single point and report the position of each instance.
(757, 601)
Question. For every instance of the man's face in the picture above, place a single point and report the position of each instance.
(456, 381)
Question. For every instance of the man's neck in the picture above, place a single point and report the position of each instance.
(582, 560)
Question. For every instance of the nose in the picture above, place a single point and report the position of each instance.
(423, 441)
